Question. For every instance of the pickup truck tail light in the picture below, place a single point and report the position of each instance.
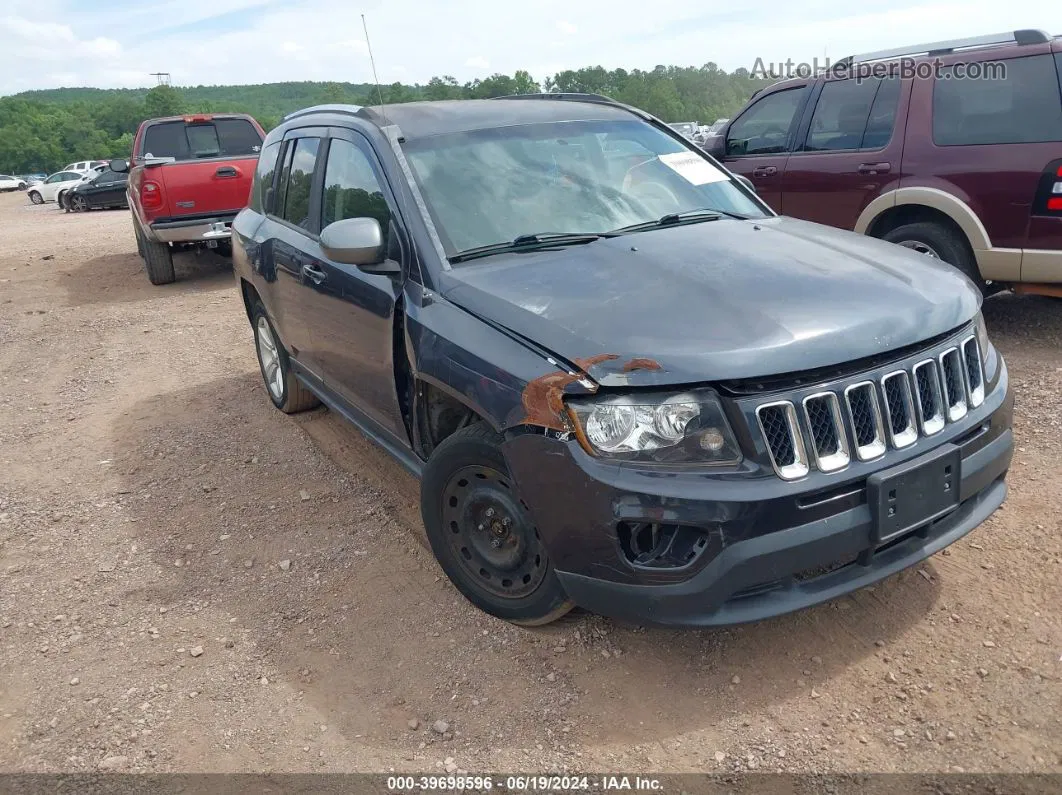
(1049, 193)
(151, 195)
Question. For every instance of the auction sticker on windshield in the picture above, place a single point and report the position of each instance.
(692, 168)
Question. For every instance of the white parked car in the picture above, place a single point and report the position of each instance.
(52, 189)
(9, 182)
(84, 166)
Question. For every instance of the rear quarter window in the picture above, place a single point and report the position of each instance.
(1021, 106)
(263, 177)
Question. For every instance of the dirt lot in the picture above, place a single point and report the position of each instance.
(192, 581)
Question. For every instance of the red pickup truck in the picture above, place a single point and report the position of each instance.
(188, 178)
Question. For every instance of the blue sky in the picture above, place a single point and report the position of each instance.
(110, 43)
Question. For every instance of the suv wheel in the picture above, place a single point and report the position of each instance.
(36, 197)
(284, 389)
(483, 535)
(158, 261)
(939, 242)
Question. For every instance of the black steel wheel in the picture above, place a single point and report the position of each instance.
(491, 534)
(483, 535)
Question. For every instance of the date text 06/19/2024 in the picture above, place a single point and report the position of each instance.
(507, 783)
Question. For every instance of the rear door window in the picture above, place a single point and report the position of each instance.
(1020, 106)
(300, 181)
(197, 140)
(764, 128)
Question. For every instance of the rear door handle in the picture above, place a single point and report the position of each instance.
(875, 168)
(314, 273)
(226, 172)
(764, 171)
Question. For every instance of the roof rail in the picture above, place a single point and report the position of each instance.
(1019, 37)
(349, 110)
(566, 96)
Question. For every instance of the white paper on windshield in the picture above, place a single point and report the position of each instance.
(693, 168)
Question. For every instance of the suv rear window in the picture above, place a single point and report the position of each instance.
(1022, 107)
(194, 140)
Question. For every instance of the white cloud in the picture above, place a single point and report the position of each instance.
(46, 43)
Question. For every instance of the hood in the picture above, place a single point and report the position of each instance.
(717, 300)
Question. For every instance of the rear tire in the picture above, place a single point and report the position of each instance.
(284, 389)
(939, 242)
(483, 535)
(158, 261)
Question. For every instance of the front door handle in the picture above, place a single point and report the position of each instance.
(764, 171)
(226, 172)
(875, 168)
(314, 273)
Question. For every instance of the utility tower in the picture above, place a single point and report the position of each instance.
(163, 78)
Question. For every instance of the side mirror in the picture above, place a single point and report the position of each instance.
(746, 182)
(357, 241)
(120, 166)
(715, 145)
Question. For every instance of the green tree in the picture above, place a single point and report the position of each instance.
(163, 101)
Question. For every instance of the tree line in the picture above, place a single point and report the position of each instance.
(40, 131)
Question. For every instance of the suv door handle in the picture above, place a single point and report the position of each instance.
(764, 171)
(226, 172)
(314, 273)
(875, 168)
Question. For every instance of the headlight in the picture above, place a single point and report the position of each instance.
(684, 428)
(981, 332)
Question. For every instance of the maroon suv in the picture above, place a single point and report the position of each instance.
(953, 149)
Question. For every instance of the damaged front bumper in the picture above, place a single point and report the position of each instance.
(740, 545)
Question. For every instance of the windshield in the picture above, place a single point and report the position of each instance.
(587, 177)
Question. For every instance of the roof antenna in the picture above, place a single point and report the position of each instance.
(372, 61)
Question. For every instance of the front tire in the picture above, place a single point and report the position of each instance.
(482, 533)
(938, 242)
(36, 197)
(284, 389)
(77, 203)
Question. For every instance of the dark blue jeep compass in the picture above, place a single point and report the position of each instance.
(624, 382)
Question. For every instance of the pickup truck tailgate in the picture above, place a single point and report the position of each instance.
(197, 187)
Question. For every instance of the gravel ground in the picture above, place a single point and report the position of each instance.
(192, 581)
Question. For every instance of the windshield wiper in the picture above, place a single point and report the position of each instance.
(673, 219)
(528, 242)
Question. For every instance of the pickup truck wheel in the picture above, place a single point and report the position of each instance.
(938, 242)
(35, 197)
(482, 533)
(284, 389)
(158, 261)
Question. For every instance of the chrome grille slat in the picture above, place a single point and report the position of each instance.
(899, 409)
(829, 441)
(864, 413)
(975, 375)
(785, 442)
(953, 380)
(930, 402)
(863, 420)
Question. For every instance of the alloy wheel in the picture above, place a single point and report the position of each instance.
(78, 204)
(269, 359)
(920, 247)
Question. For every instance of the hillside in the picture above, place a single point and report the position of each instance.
(42, 130)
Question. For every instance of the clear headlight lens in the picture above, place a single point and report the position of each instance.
(663, 428)
(981, 332)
